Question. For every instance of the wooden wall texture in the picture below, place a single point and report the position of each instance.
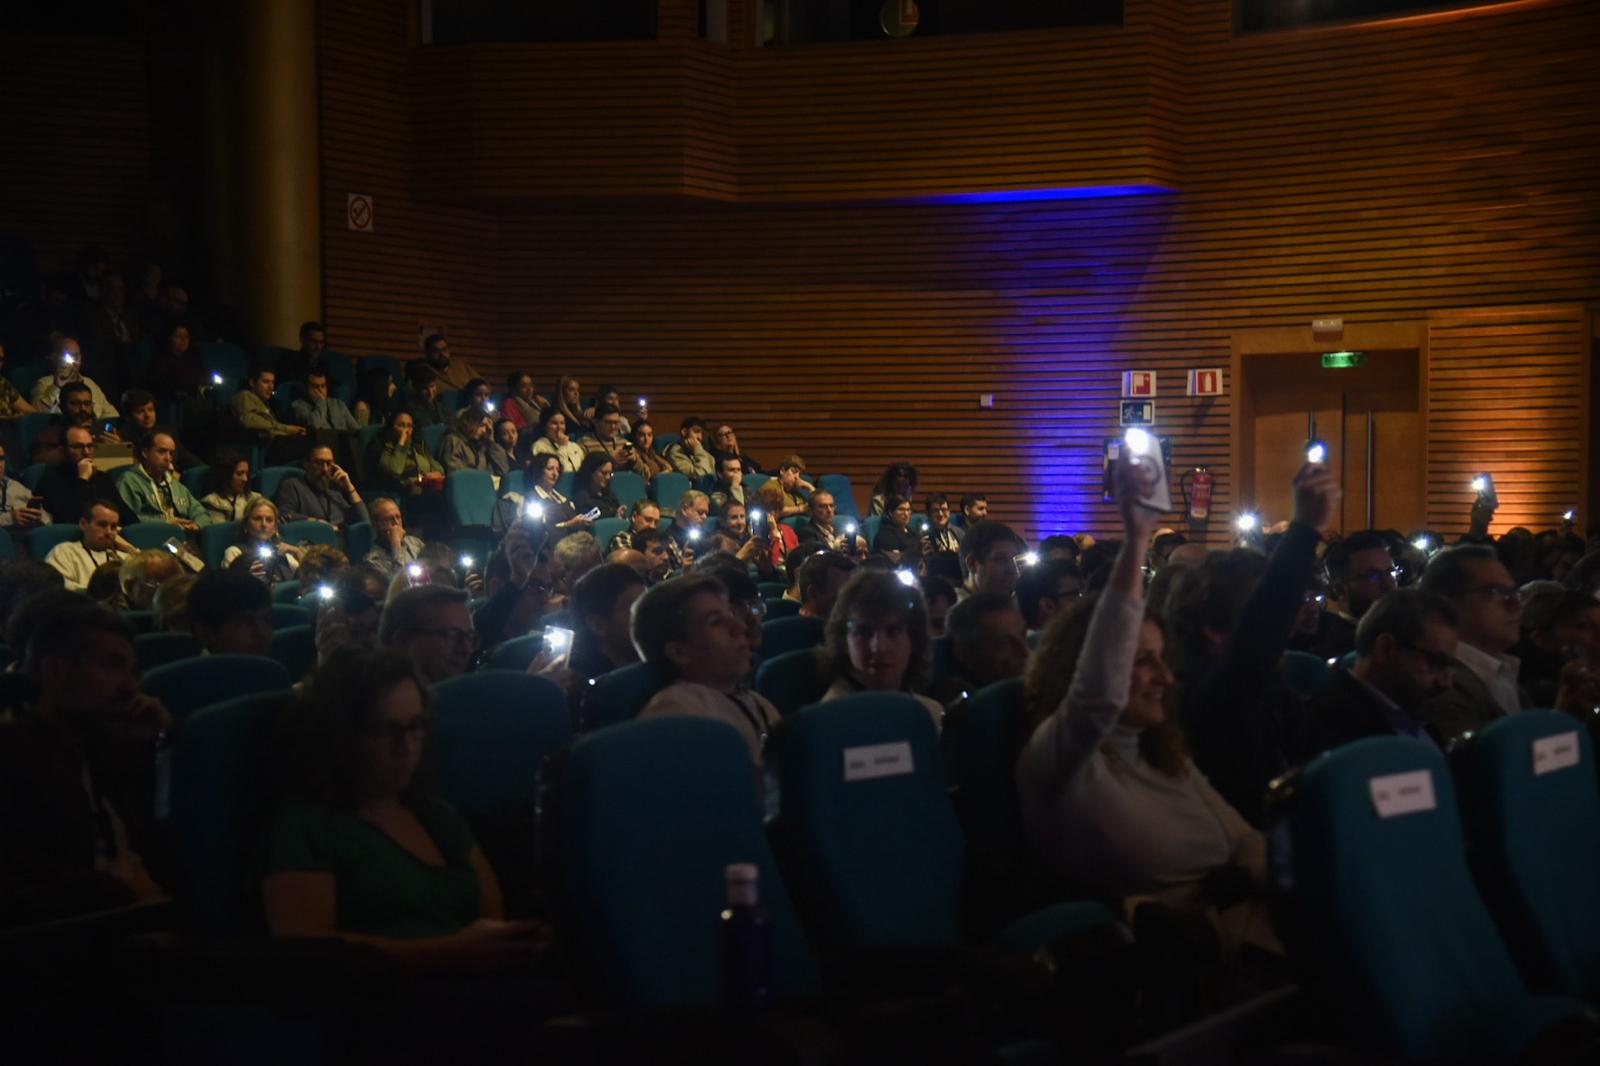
(1442, 171)
(779, 237)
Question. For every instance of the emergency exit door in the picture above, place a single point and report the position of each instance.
(1288, 397)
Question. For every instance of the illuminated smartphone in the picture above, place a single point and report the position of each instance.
(558, 643)
(1145, 448)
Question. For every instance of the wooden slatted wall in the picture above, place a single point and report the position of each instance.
(427, 263)
(1408, 172)
(77, 160)
(1508, 395)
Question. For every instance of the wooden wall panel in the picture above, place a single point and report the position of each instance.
(428, 263)
(1439, 174)
(77, 162)
(1508, 396)
(1383, 174)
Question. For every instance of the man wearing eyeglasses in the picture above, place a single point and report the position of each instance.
(1484, 683)
(1360, 572)
(69, 488)
(1406, 647)
(431, 625)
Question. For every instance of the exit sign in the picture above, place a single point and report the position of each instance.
(1343, 360)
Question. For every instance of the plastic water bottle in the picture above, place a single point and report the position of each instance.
(746, 938)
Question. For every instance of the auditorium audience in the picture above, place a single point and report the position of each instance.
(569, 404)
(139, 422)
(688, 629)
(553, 440)
(76, 780)
(451, 372)
(142, 573)
(65, 360)
(466, 445)
(989, 557)
(974, 509)
(257, 548)
(647, 462)
(1405, 645)
(1360, 571)
(988, 643)
(323, 492)
(895, 538)
(657, 549)
(601, 609)
(359, 851)
(610, 437)
(796, 489)
(558, 512)
(394, 549)
(877, 640)
(1046, 589)
(941, 535)
(252, 408)
(688, 454)
(523, 403)
(644, 513)
(318, 410)
(898, 480)
(729, 484)
(1109, 795)
(1559, 625)
(151, 491)
(821, 530)
(940, 596)
(725, 445)
(592, 487)
(430, 625)
(377, 397)
(822, 576)
(1484, 676)
(400, 464)
(425, 406)
(20, 509)
(503, 454)
(12, 403)
(229, 496)
(230, 613)
(781, 538)
(101, 543)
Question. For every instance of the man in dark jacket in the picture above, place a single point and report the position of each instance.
(1405, 646)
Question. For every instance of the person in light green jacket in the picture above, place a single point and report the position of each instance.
(154, 494)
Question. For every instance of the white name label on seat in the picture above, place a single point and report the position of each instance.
(1407, 793)
(878, 760)
(1555, 753)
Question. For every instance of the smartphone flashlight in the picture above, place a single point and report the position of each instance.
(171, 547)
(1316, 452)
(1480, 483)
(694, 534)
(325, 593)
(1139, 442)
(907, 578)
(413, 571)
(67, 358)
(488, 405)
(1248, 522)
(755, 515)
(643, 403)
(216, 379)
(533, 512)
(466, 562)
(266, 551)
(1030, 559)
(1568, 516)
(1422, 544)
(850, 529)
(557, 640)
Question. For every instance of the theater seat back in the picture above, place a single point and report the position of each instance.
(1531, 806)
(644, 818)
(870, 841)
(1389, 921)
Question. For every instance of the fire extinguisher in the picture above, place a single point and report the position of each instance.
(1196, 486)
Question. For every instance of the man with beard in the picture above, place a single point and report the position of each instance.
(324, 493)
(1405, 645)
(68, 488)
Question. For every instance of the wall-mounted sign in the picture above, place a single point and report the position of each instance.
(1343, 360)
(1137, 413)
(358, 212)
(1139, 383)
(1205, 382)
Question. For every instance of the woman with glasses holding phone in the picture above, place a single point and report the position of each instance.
(360, 850)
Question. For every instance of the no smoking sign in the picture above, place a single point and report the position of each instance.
(358, 212)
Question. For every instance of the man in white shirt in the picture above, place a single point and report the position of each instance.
(687, 628)
(102, 543)
(1484, 678)
(68, 361)
(16, 509)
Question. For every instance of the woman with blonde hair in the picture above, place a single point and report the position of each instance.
(1109, 794)
(569, 402)
(258, 548)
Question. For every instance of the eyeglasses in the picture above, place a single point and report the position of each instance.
(1376, 576)
(396, 732)
(1506, 594)
(80, 447)
(753, 608)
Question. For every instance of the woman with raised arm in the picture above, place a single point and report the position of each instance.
(1109, 794)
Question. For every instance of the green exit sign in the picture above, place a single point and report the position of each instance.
(1343, 360)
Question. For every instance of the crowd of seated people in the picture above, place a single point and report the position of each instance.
(1155, 710)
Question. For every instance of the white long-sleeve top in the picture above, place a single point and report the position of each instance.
(1095, 809)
